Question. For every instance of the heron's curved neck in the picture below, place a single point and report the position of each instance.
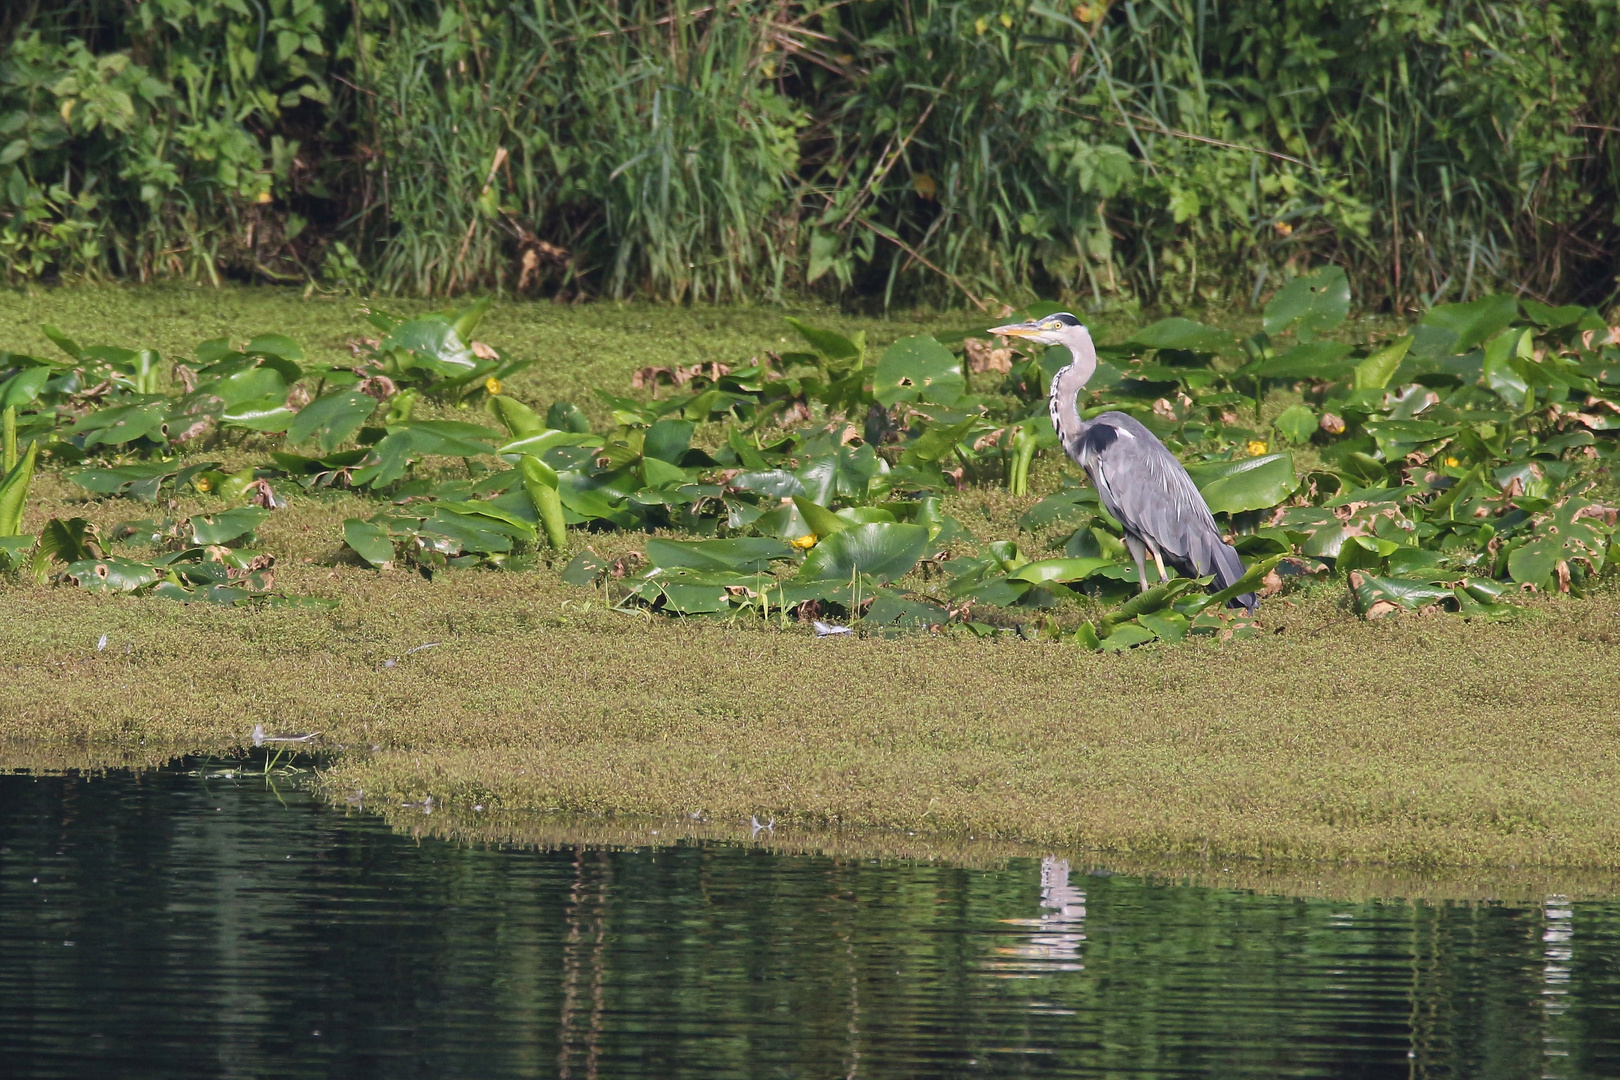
(1066, 387)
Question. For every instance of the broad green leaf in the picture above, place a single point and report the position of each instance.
(918, 369)
(668, 440)
(1127, 636)
(1376, 370)
(1307, 360)
(122, 424)
(520, 420)
(225, 527)
(879, 551)
(111, 575)
(936, 442)
(24, 386)
(541, 484)
(1047, 571)
(846, 473)
(541, 441)
(1397, 438)
(1184, 334)
(265, 414)
(63, 342)
(435, 345)
(778, 483)
(487, 509)
(742, 555)
(1553, 318)
(1406, 593)
(1501, 373)
(371, 542)
(277, 345)
(661, 474)
(1256, 483)
(1312, 304)
(566, 416)
(1475, 321)
(823, 522)
(830, 343)
(1297, 423)
(14, 491)
(330, 419)
(248, 385)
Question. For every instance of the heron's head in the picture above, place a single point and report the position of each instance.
(1059, 329)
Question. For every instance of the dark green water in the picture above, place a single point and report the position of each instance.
(171, 926)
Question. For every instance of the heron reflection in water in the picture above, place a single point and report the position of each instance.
(1058, 931)
(1137, 479)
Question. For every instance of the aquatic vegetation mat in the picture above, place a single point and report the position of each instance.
(610, 603)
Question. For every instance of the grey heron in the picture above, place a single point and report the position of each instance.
(1138, 480)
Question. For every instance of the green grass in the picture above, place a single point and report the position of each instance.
(1419, 742)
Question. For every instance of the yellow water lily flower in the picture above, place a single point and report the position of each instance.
(807, 541)
(492, 384)
(1256, 448)
(1452, 462)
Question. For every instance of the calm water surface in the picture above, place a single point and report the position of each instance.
(169, 925)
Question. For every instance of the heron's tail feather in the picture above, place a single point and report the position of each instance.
(1228, 569)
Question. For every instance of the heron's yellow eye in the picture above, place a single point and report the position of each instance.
(1052, 325)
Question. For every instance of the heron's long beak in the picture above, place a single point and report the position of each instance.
(1020, 330)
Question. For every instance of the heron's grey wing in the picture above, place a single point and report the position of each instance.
(1142, 484)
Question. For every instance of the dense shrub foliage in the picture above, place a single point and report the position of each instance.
(928, 151)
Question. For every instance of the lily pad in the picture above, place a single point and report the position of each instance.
(918, 369)
(880, 551)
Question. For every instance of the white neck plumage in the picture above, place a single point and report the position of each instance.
(1064, 395)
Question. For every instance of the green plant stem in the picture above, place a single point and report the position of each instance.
(10, 437)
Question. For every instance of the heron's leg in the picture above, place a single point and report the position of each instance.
(1138, 552)
(1158, 560)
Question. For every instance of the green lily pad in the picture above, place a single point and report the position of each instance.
(918, 369)
(1255, 483)
(881, 551)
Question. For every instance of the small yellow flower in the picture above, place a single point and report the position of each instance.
(1256, 448)
(1452, 462)
(492, 384)
(981, 24)
(203, 484)
(264, 197)
(807, 541)
(1283, 228)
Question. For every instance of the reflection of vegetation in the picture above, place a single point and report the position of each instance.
(238, 921)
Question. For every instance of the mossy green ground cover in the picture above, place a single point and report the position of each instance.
(1413, 741)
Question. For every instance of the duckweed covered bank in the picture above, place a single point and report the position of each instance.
(1417, 740)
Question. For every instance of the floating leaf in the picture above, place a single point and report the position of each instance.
(1475, 321)
(226, 527)
(330, 419)
(1256, 483)
(1312, 304)
(1376, 370)
(371, 542)
(830, 343)
(880, 551)
(1184, 334)
(743, 555)
(918, 369)
(1047, 571)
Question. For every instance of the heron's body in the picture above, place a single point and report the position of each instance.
(1138, 480)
